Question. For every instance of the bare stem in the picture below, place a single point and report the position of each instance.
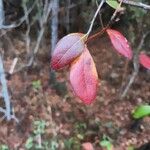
(136, 4)
(20, 21)
(13, 65)
(100, 16)
(42, 21)
(116, 11)
(95, 15)
(107, 26)
(1, 12)
(136, 66)
(5, 90)
(28, 40)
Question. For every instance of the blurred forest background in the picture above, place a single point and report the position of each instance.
(50, 116)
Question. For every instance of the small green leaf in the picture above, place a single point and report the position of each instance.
(113, 3)
(36, 84)
(130, 148)
(80, 136)
(39, 127)
(69, 143)
(107, 144)
(4, 147)
(141, 111)
(54, 145)
(29, 143)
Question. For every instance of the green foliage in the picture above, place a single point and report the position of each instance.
(24, 2)
(32, 143)
(113, 3)
(137, 14)
(39, 127)
(60, 87)
(4, 147)
(141, 111)
(135, 22)
(80, 130)
(106, 142)
(36, 84)
(80, 127)
(130, 148)
(72, 143)
(69, 143)
(29, 143)
(75, 141)
(39, 130)
(53, 145)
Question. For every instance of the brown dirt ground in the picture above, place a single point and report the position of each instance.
(107, 115)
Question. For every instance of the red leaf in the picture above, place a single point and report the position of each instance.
(120, 43)
(144, 60)
(67, 49)
(87, 146)
(84, 78)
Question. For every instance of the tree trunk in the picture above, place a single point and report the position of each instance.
(54, 24)
(60, 87)
(3, 81)
(68, 17)
(1, 13)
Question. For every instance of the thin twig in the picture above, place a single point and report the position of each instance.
(28, 28)
(107, 26)
(5, 90)
(95, 15)
(124, 73)
(1, 12)
(13, 66)
(136, 4)
(100, 16)
(133, 76)
(20, 21)
(52, 123)
(68, 16)
(54, 24)
(43, 21)
(115, 13)
(44, 18)
(8, 111)
(136, 66)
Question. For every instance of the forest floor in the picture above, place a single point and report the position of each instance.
(49, 114)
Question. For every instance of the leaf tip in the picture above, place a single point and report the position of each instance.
(144, 60)
(120, 43)
(84, 78)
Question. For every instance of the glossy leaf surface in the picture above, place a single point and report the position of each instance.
(141, 111)
(67, 49)
(144, 60)
(84, 78)
(107, 144)
(120, 43)
(113, 3)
